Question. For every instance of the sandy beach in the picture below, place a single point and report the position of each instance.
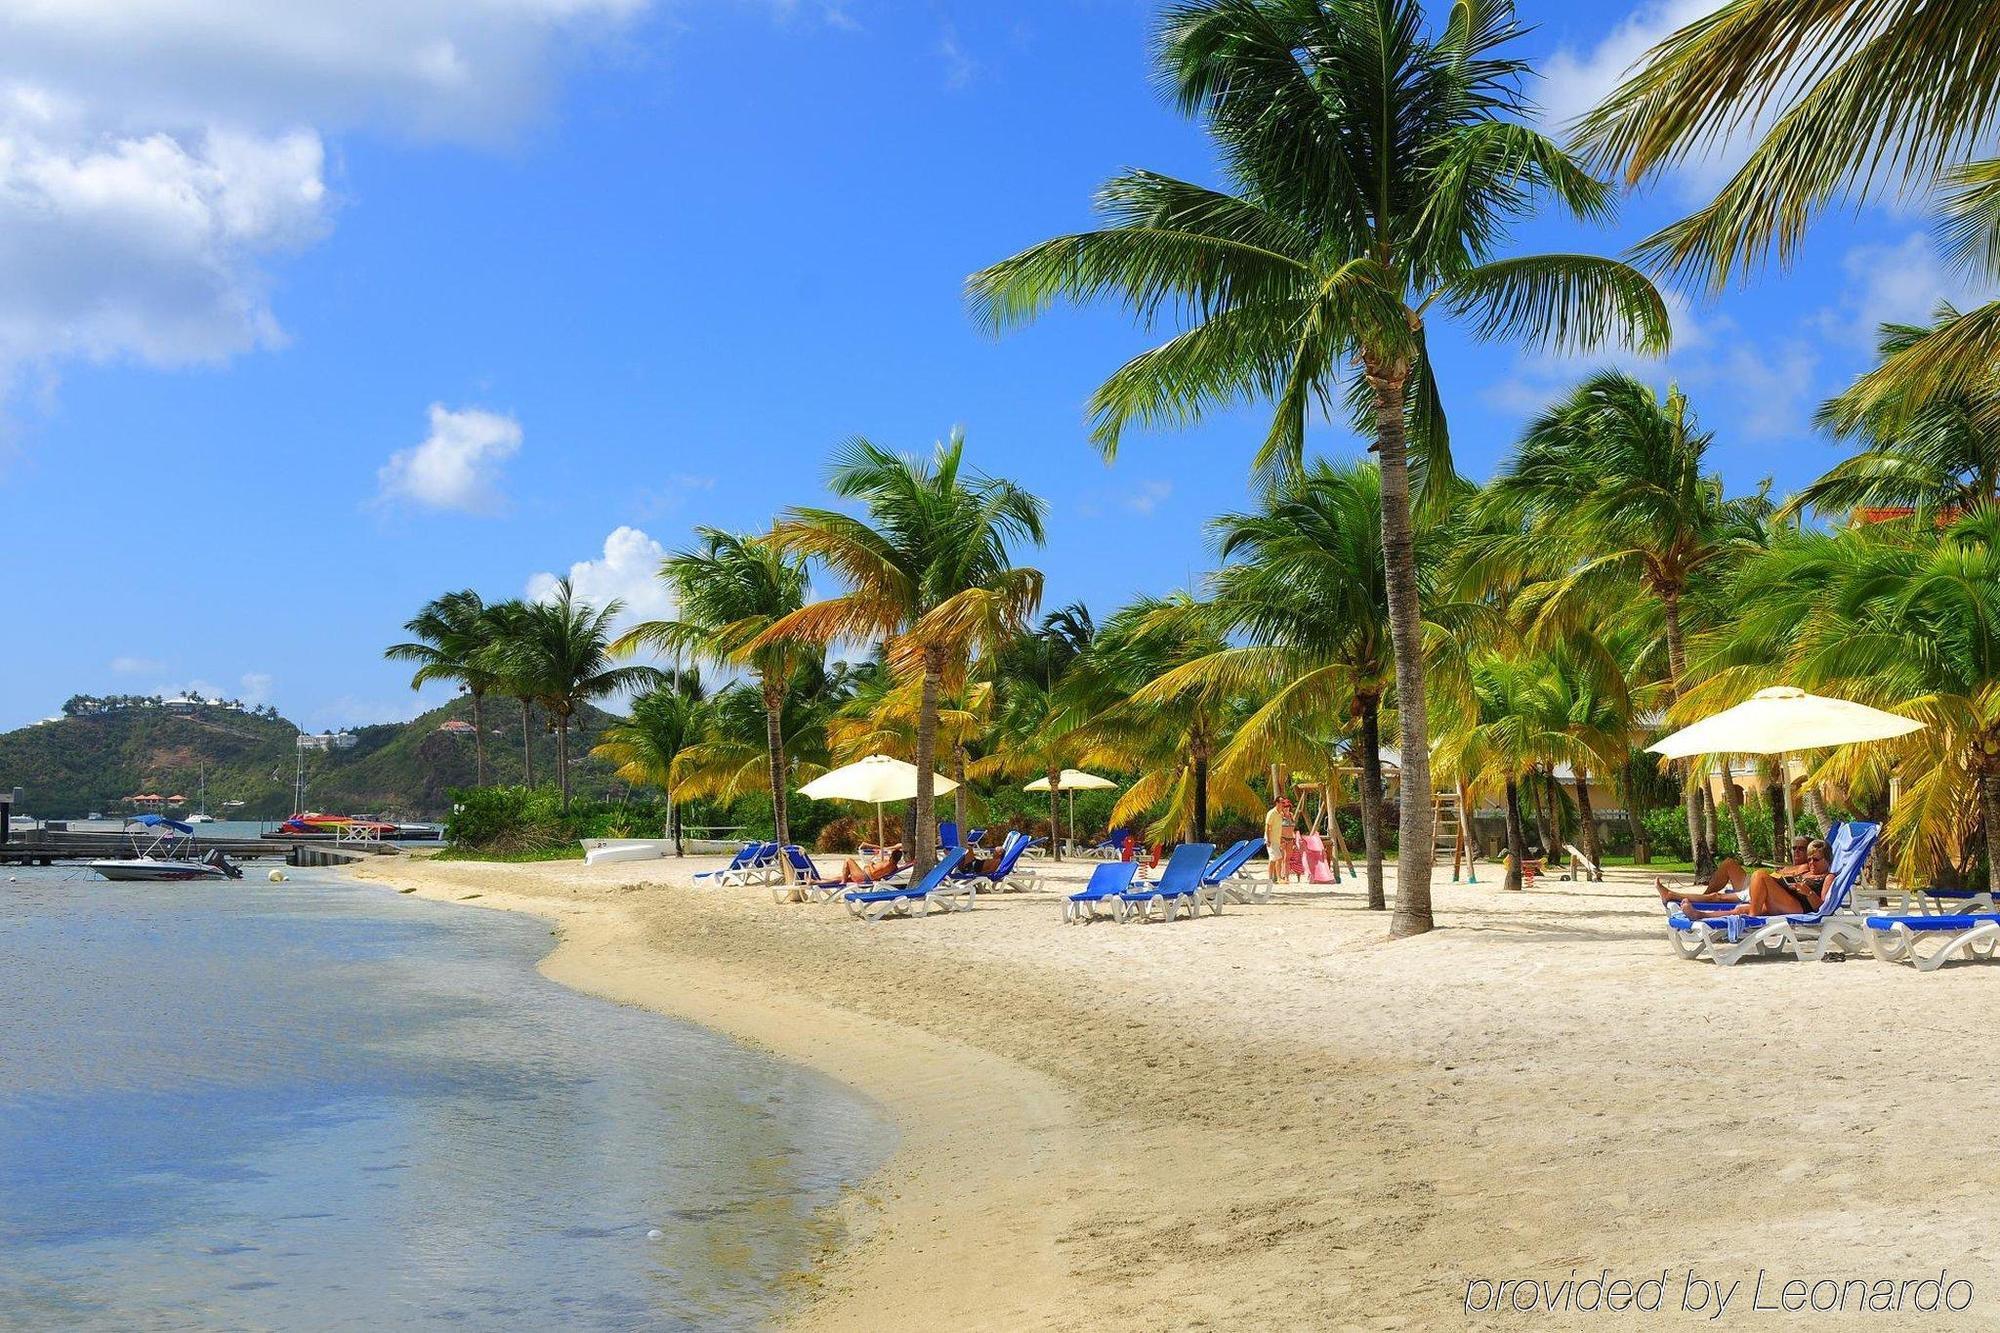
(1274, 1118)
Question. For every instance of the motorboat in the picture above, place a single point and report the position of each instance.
(162, 851)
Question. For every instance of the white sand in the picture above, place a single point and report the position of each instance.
(1276, 1119)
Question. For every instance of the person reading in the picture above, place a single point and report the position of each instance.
(1729, 881)
(1795, 888)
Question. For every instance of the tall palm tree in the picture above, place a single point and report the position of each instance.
(452, 635)
(929, 572)
(1862, 99)
(730, 589)
(730, 758)
(1375, 167)
(1301, 608)
(507, 625)
(664, 723)
(1612, 484)
(563, 653)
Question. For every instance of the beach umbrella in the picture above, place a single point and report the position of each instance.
(876, 779)
(1072, 780)
(1780, 720)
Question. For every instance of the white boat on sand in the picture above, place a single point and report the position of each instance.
(606, 852)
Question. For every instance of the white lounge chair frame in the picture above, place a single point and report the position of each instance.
(1900, 944)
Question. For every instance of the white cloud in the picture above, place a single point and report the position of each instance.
(458, 464)
(137, 666)
(1146, 497)
(959, 66)
(1575, 80)
(628, 570)
(157, 155)
(256, 688)
(1892, 284)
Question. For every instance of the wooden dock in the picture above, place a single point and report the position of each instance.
(43, 847)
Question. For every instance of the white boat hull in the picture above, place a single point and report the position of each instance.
(166, 871)
(621, 851)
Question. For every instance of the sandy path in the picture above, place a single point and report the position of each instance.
(1275, 1119)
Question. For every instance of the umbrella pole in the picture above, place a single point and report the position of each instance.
(1072, 818)
(878, 824)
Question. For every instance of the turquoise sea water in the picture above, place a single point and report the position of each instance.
(319, 1105)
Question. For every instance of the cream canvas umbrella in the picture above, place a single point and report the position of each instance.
(1072, 780)
(1780, 720)
(876, 779)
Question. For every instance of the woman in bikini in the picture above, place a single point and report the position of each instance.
(1796, 888)
(888, 861)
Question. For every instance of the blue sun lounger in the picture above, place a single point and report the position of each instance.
(934, 888)
(1179, 886)
(750, 862)
(1809, 936)
(1108, 879)
(1004, 875)
(1226, 874)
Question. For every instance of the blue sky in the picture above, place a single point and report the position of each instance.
(331, 311)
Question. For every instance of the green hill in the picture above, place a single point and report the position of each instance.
(402, 770)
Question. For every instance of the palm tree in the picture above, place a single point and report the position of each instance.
(1150, 717)
(1611, 483)
(563, 654)
(507, 624)
(1375, 168)
(1939, 454)
(665, 721)
(928, 572)
(1037, 709)
(731, 756)
(729, 590)
(1863, 99)
(1905, 618)
(1302, 607)
(453, 633)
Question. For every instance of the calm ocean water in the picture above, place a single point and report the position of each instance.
(320, 1105)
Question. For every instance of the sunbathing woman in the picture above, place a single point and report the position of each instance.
(1727, 884)
(887, 862)
(1796, 888)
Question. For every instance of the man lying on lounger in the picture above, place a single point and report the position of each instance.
(887, 861)
(1727, 884)
(1794, 888)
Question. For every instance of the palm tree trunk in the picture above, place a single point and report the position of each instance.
(1989, 791)
(1774, 796)
(1054, 776)
(527, 744)
(1539, 785)
(1734, 795)
(1517, 840)
(1676, 669)
(1592, 847)
(958, 796)
(1635, 815)
(925, 853)
(774, 753)
(1399, 567)
(478, 739)
(1201, 793)
(1814, 803)
(1371, 796)
(562, 758)
(674, 820)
